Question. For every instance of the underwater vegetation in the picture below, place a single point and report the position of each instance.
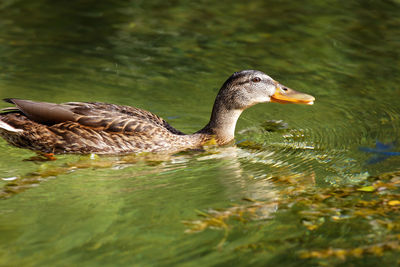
(368, 212)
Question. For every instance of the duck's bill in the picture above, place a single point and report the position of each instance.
(285, 95)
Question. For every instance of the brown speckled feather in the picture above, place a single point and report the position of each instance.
(91, 128)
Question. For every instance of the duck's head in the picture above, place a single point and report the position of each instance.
(249, 87)
(243, 90)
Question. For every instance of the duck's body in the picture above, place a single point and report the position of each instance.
(93, 128)
(77, 127)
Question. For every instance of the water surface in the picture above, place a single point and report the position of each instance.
(294, 191)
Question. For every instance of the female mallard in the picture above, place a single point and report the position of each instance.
(76, 127)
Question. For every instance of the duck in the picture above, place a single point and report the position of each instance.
(102, 128)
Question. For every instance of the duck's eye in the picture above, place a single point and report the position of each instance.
(256, 79)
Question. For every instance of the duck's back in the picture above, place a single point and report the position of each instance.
(118, 119)
(77, 127)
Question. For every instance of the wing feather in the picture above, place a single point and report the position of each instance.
(99, 116)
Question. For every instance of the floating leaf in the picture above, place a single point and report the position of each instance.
(394, 202)
(211, 142)
(367, 189)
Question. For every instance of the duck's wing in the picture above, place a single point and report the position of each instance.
(98, 116)
(41, 112)
(118, 118)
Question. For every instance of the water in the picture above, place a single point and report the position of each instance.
(293, 192)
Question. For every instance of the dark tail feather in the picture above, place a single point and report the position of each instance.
(9, 100)
(9, 109)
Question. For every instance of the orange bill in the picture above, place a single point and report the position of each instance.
(285, 95)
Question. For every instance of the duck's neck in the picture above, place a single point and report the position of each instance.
(222, 123)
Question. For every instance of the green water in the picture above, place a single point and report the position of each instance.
(301, 195)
